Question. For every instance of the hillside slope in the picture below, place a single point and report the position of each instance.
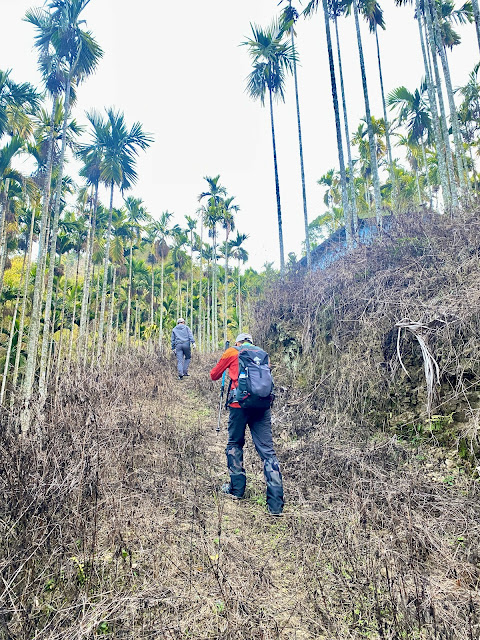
(337, 335)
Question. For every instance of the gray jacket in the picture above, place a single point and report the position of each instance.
(182, 335)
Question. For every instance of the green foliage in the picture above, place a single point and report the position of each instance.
(437, 429)
(81, 575)
(103, 628)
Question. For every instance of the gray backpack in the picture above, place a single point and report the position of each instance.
(255, 382)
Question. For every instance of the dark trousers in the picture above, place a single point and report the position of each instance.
(260, 423)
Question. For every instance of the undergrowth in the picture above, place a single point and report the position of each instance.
(335, 336)
(112, 526)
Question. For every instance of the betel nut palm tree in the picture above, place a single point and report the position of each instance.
(414, 114)
(272, 56)
(120, 147)
(201, 211)
(371, 138)
(213, 214)
(336, 9)
(287, 21)
(91, 157)
(240, 254)
(228, 223)
(373, 14)
(312, 6)
(447, 194)
(191, 225)
(70, 54)
(14, 99)
(136, 214)
(163, 231)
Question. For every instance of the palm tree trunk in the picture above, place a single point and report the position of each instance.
(42, 383)
(239, 301)
(300, 148)
(87, 277)
(476, 14)
(371, 139)
(200, 289)
(443, 117)
(178, 292)
(152, 296)
(116, 341)
(137, 321)
(351, 182)
(417, 183)
(207, 317)
(474, 173)
(101, 320)
(225, 297)
(23, 276)
(387, 127)
(333, 82)
(129, 298)
(34, 329)
(9, 349)
(277, 187)
(60, 340)
(429, 186)
(457, 138)
(437, 134)
(24, 304)
(3, 239)
(161, 302)
(51, 334)
(110, 316)
(191, 279)
(74, 312)
(95, 319)
(214, 301)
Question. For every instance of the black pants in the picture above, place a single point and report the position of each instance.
(260, 423)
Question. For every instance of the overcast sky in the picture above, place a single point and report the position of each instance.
(177, 67)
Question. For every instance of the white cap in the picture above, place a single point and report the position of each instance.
(243, 336)
(180, 320)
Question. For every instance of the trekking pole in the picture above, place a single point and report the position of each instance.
(222, 391)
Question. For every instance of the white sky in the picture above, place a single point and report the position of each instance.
(177, 67)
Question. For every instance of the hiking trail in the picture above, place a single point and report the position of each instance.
(222, 555)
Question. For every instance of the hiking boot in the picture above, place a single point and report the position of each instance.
(275, 514)
(186, 375)
(226, 489)
(180, 377)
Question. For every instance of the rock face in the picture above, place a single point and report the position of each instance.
(335, 332)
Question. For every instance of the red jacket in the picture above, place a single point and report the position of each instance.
(229, 361)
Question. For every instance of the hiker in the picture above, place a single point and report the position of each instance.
(182, 343)
(257, 416)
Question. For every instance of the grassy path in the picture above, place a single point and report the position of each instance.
(245, 554)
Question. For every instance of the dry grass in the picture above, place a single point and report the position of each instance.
(335, 331)
(111, 525)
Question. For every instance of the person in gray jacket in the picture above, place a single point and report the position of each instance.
(182, 343)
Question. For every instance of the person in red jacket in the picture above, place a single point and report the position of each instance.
(260, 423)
